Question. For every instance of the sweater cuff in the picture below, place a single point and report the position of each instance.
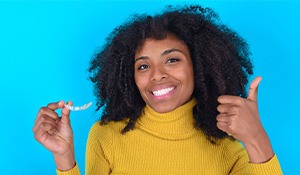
(270, 167)
(73, 171)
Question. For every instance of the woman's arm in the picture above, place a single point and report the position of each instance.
(239, 118)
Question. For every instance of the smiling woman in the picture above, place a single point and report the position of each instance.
(173, 92)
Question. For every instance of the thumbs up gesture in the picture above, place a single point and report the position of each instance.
(239, 118)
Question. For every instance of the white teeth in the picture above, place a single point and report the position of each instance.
(162, 91)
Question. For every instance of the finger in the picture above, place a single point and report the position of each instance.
(45, 111)
(39, 134)
(223, 118)
(41, 131)
(48, 127)
(229, 99)
(228, 109)
(223, 108)
(253, 90)
(56, 105)
(222, 126)
(43, 119)
(65, 114)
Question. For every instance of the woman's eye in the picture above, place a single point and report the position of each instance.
(172, 60)
(143, 67)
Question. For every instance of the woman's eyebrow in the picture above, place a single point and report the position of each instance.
(164, 53)
(141, 58)
(170, 51)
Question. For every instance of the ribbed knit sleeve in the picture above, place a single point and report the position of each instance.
(270, 167)
(98, 151)
(73, 171)
(242, 165)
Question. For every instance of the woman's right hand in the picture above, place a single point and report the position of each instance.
(55, 134)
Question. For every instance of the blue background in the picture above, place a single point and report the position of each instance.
(45, 48)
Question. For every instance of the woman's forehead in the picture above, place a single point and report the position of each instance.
(154, 42)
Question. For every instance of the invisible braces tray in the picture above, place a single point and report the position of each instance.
(78, 108)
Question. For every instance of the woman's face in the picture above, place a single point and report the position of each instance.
(163, 73)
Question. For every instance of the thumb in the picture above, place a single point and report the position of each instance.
(65, 114)
(253, 90)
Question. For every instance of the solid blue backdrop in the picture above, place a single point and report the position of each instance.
(45, 48)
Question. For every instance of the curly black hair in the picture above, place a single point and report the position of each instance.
(221, 61)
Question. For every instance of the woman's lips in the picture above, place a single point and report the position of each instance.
(163, 92)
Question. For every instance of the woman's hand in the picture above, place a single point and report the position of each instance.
(239, 118)
(55, 134)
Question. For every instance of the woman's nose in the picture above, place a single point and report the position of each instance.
(158, 73)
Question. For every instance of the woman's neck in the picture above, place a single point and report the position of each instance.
(176, 124)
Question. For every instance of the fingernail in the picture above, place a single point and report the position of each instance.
(60, 102)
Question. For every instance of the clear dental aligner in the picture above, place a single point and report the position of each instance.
(78, 108)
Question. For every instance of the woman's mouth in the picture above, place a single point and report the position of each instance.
(162, 92)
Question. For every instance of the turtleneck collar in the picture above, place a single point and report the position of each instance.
(174, 125)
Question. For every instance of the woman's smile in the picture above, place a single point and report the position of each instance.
(163, 92)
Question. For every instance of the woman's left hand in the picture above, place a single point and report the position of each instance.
(239, 118)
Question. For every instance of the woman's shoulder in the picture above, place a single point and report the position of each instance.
(107, 130)
(233, 149)
(230, 144)
(102, 139)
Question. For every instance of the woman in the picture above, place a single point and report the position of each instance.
(172, 89)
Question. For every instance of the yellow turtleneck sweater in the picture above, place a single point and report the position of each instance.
(165, 143)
